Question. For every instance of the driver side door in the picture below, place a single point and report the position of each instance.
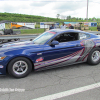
(63, 54)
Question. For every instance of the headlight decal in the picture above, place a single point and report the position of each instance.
(1, 58)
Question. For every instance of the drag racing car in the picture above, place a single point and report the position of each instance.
(52, 49)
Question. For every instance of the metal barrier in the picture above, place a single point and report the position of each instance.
(9, 38)
(17, 36)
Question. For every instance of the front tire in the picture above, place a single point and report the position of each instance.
(19, 67)
(94, 56)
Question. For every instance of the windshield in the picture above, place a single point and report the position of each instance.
(43, 37)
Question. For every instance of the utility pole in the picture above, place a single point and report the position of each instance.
(87, 11)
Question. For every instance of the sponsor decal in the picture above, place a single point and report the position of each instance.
(39, 53)
(1, 66)
(52, 32)
(39, 59)
(64, 59)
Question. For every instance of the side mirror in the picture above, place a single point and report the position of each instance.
(54, 42)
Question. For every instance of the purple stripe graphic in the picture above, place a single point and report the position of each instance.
(72, 55)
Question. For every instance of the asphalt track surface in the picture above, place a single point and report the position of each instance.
(70, 79)
(53, 81)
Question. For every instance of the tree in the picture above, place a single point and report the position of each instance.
(68, 17)
(93, 19)
(58, 15)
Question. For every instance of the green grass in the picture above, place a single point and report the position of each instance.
(93, 28)
(31, 31)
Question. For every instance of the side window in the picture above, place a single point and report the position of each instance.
(83, 36)
(65, 37)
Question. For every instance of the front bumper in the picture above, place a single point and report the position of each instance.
(3, 67)
(2, 71)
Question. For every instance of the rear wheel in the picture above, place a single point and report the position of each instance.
(94, 56)
(19, 67)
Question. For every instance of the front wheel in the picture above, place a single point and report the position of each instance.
(19, 67)
(94, 56)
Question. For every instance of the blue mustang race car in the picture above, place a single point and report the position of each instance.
(53, 48)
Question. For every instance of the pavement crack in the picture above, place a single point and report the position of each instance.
(95, 80)
(9, 97)
(42, 87)
(52, 79)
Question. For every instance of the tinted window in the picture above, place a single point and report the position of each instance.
(67, 37)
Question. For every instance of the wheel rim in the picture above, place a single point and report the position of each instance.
(95, 56)
(20, 67)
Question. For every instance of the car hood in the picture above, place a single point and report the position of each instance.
(18, 45)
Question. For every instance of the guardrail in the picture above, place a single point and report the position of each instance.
(17, 36)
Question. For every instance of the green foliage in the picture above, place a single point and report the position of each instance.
(25, 18)
(14, 17)
(31, 31)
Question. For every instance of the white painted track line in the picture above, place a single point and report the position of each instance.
(69, 92)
